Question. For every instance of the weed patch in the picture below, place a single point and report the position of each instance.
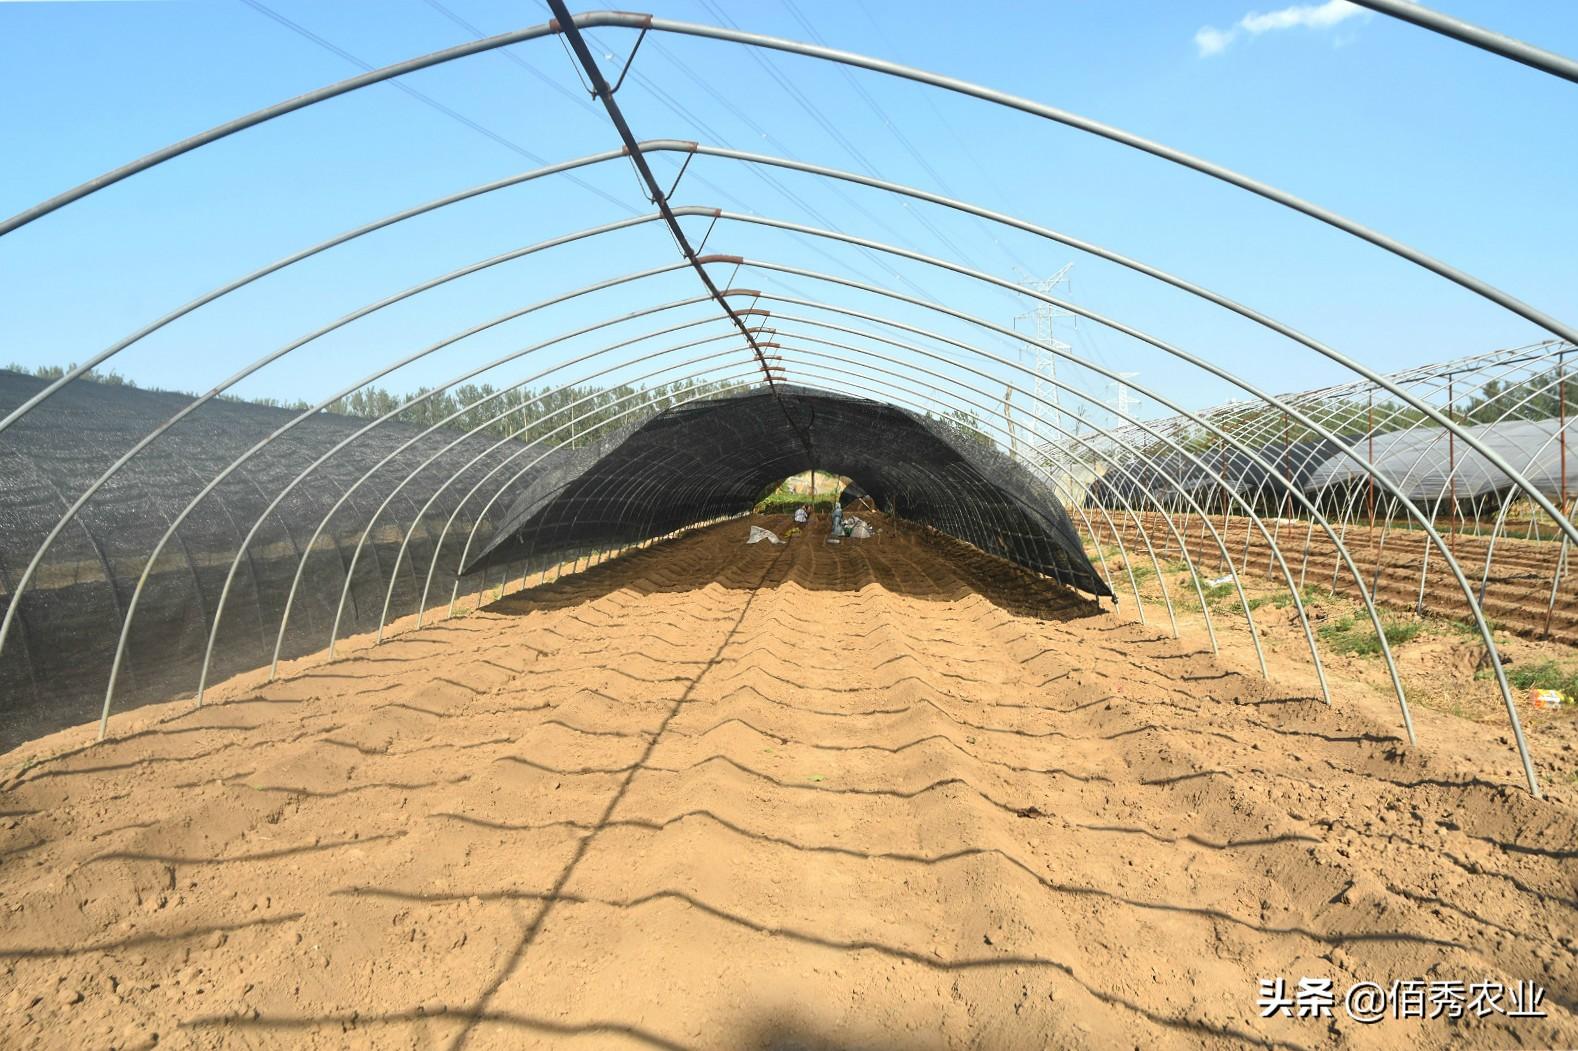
(1350, 636)
(1544, 675)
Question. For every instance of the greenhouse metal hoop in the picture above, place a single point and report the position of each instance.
(571, 28)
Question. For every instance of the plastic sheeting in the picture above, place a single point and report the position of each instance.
(1426, 465)
(712, 458)
(1164, 477)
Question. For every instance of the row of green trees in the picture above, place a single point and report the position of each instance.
(564, 416)
(535, 412)
(560, 416)
(1535, 397)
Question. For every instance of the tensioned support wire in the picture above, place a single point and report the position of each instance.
(564, 23)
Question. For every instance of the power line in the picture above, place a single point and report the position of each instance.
(428, 100)
(903, 140)
(767, 177)
(513, 57)
(964, 147)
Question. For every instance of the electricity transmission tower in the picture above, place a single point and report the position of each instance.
(1123, 398)
(1042, 322)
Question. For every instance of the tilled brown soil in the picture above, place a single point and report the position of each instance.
(887, 794)
(1517, 592)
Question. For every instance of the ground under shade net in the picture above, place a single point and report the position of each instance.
(713, 458)
(887, 796)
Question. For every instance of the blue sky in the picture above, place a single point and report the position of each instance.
(1451, 149)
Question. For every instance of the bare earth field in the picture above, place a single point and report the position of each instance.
(887, 794)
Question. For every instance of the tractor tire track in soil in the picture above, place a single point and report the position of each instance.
(884, 794)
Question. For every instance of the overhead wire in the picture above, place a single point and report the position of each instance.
(904, 140)
(428, 100)
(685, 113)
(815, 113)
(860, 158)
(679, 109)
(767, 177)
(964, 147)
(512, 57)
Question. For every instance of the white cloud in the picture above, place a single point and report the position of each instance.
(1310, 16)
(1212, 41)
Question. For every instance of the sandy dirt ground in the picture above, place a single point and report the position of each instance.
(888, 794)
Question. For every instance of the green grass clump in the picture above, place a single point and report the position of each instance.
(1348, 635)
(1545, 675)
(1309, 593)
(1235, 606)
(785, 504)
(1468, 629)
(1215, 592)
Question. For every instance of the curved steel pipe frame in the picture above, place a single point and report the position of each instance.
(571, 237)
(197, 403)
(1227, 557)
(175, 523)
(410, 442)
(648, 23)
(1506, 368)
(1039, 470)
(1476, 36)
(879, 394)
(1349, 505)
(1035, 468)
(695, 489)
(1275, 402)
(472, 407)
(1071, 120)
(1254, 517)
(506, 485)
(1249, 616)
(438, 490)
(967, 347)
(1018, 389)
(392, 219)
(274, 666)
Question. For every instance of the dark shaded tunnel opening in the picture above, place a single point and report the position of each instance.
(713, 458)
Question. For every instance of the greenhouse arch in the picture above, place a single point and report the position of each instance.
(463, 660)
(1144, 472)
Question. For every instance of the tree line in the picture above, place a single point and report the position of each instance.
(559, 416)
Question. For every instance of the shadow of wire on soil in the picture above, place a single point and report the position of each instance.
(534, 927)
(950, 857)
(770, 1032)
(928, 961)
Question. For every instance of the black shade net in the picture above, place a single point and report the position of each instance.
(55, 665)
(713, 458)
(692, 463)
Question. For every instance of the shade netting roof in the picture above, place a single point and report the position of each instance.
(54, 673)
(712, 458)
